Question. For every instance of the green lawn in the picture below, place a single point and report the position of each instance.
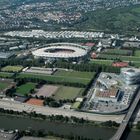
(3, 86)
(56, 78)
(137, 53)
(117, 52)
(75, 74)
(136, 64)
(114, 57)
(75, 105)
(12, 68)
(65, 92)
(101, 62)
(25, 88)
(5, 75)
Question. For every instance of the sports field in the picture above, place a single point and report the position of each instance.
(137, 53)
(58, 78)
(75, 74)
(114, 57)
(47, 90)
(5, 83)
(136, 64)
(117, 52)
(25, 88)
(101, 62)
(33, 101)
(3, 86)
(75, 105)
(12, 68)
(66, 92)
(6, 75)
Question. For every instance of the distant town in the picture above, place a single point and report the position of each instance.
(65, 64)
(50, 14)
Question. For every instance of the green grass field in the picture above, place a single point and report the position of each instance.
(3, 86)
(75, 105)
(136, 64)
(101, 62)
(123, 58)
(6, 75)
(137, 53)
(65, 92)
(58, 78)
(25, 88)
(12, 68)
(74, 74)
(117, 52)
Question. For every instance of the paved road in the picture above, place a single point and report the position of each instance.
(16, 106)
(127, 118)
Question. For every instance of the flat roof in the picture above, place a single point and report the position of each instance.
(111, 93)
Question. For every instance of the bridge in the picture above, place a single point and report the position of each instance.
(119, 134)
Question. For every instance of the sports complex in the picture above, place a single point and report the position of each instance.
(61, 51)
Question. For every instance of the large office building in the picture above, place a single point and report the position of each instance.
(130, 75)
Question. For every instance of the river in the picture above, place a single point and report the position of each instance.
(89, 131)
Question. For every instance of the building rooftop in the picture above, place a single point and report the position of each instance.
(4, 55)
(111, 93)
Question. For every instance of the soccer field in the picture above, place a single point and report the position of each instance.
(101, 62)
(78, 74)
(6, 75)
(57, 78)
(12, 68)
(137, 53)
(114, 57)
(3, 86)
(65, 92)
(25, 88)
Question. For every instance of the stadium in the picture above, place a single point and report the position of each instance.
(61, 51)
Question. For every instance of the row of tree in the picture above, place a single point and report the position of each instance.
(89, 67)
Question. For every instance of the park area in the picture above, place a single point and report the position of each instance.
(117, 52)
(25, 89)
(3, 86)
(5, 83)
(61, 76)
(6, 75)
(12, 68)
(75, 74)
(137, 53)
(120, 57)
(66, 92)
(101, 62)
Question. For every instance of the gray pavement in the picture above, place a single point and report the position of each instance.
(127, 118)
(16, 106)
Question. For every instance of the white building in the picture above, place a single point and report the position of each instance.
(130, 75)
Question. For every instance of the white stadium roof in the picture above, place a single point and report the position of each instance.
(78, 51)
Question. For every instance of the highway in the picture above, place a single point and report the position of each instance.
(118, 135)
(17, 106)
